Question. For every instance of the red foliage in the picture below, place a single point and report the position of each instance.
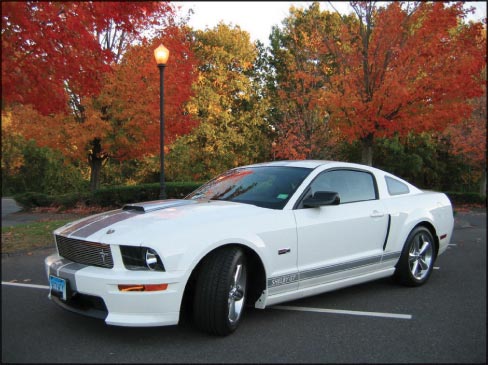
(405, 71)
(468, 138)
(46, 45)
(131, 96)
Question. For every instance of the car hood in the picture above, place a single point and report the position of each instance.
(138, 224)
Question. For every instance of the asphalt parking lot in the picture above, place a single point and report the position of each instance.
(443, 321)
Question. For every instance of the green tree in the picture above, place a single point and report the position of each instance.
(300, 70)
(27, 167)
(228, 104)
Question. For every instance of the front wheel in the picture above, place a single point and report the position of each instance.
(220, 292)
(417, 258)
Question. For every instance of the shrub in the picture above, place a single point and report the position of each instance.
(120, 195)
(33, 200)
(466, 198)
(107, 197)
(70, 200)
(29, 168)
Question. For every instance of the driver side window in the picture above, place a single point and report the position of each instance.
(352, 185)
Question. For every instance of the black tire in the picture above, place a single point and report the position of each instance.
(220, 292)
(417, 258)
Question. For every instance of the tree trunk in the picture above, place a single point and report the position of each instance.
(96, 157)
(95, 169)
(367, 150)
(483, 182)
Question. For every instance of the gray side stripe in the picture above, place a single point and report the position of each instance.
(282, 280)
(305, 275)
(332, 269)
(391, 256)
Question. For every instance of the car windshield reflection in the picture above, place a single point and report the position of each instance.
(266, 187)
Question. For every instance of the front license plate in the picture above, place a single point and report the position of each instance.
(58, 287)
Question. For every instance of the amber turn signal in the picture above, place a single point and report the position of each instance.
(140, 287)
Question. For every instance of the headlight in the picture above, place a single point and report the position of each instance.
(152, 259)
(141, 258)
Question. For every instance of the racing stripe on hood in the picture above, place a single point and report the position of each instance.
(94, 224)
(105, 222)
(87, 221)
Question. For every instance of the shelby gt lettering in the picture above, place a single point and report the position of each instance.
(256, 235)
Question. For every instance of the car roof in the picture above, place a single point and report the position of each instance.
(312, 164)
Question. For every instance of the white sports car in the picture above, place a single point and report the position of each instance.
(256, 235)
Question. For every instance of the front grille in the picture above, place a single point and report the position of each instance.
(84, 252)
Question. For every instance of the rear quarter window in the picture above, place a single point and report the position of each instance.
(396, 187)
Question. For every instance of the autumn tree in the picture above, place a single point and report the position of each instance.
(468, 138)
(406, 67)
(49, 47)
(227, 103)
(129, 100)
(28, 167)
(300, 71)
(57, 56)
(379, 72)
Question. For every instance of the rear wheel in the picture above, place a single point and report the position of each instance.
(417, 258)
(220, 292)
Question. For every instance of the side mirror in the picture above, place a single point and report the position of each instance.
(320, 198)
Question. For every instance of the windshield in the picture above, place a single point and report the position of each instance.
(266, 186)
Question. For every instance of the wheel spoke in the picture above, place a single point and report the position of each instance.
(418, 243)
(232, 309)
(236, 293)
(424, 247)
(423, 264)
(414, 268)
(237, 274)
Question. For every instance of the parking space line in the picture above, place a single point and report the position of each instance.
(436, 267)
(26, 285)
(339, 311)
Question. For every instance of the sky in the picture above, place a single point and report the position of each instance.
(258, 17)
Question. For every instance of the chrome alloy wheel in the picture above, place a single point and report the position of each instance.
(420, 256)
(237, 293)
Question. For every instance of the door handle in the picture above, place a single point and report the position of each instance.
(376, 214)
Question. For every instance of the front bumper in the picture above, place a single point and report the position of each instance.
(94, 292)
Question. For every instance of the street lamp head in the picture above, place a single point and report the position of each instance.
(161, 54)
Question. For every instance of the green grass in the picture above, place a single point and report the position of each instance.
(30, 236)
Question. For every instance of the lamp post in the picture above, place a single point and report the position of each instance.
(161, 54)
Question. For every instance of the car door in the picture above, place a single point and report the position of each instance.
(339, 241)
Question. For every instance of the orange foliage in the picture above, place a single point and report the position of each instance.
(130, 98)
(125, 116)
(402, 71)
(468, 138)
